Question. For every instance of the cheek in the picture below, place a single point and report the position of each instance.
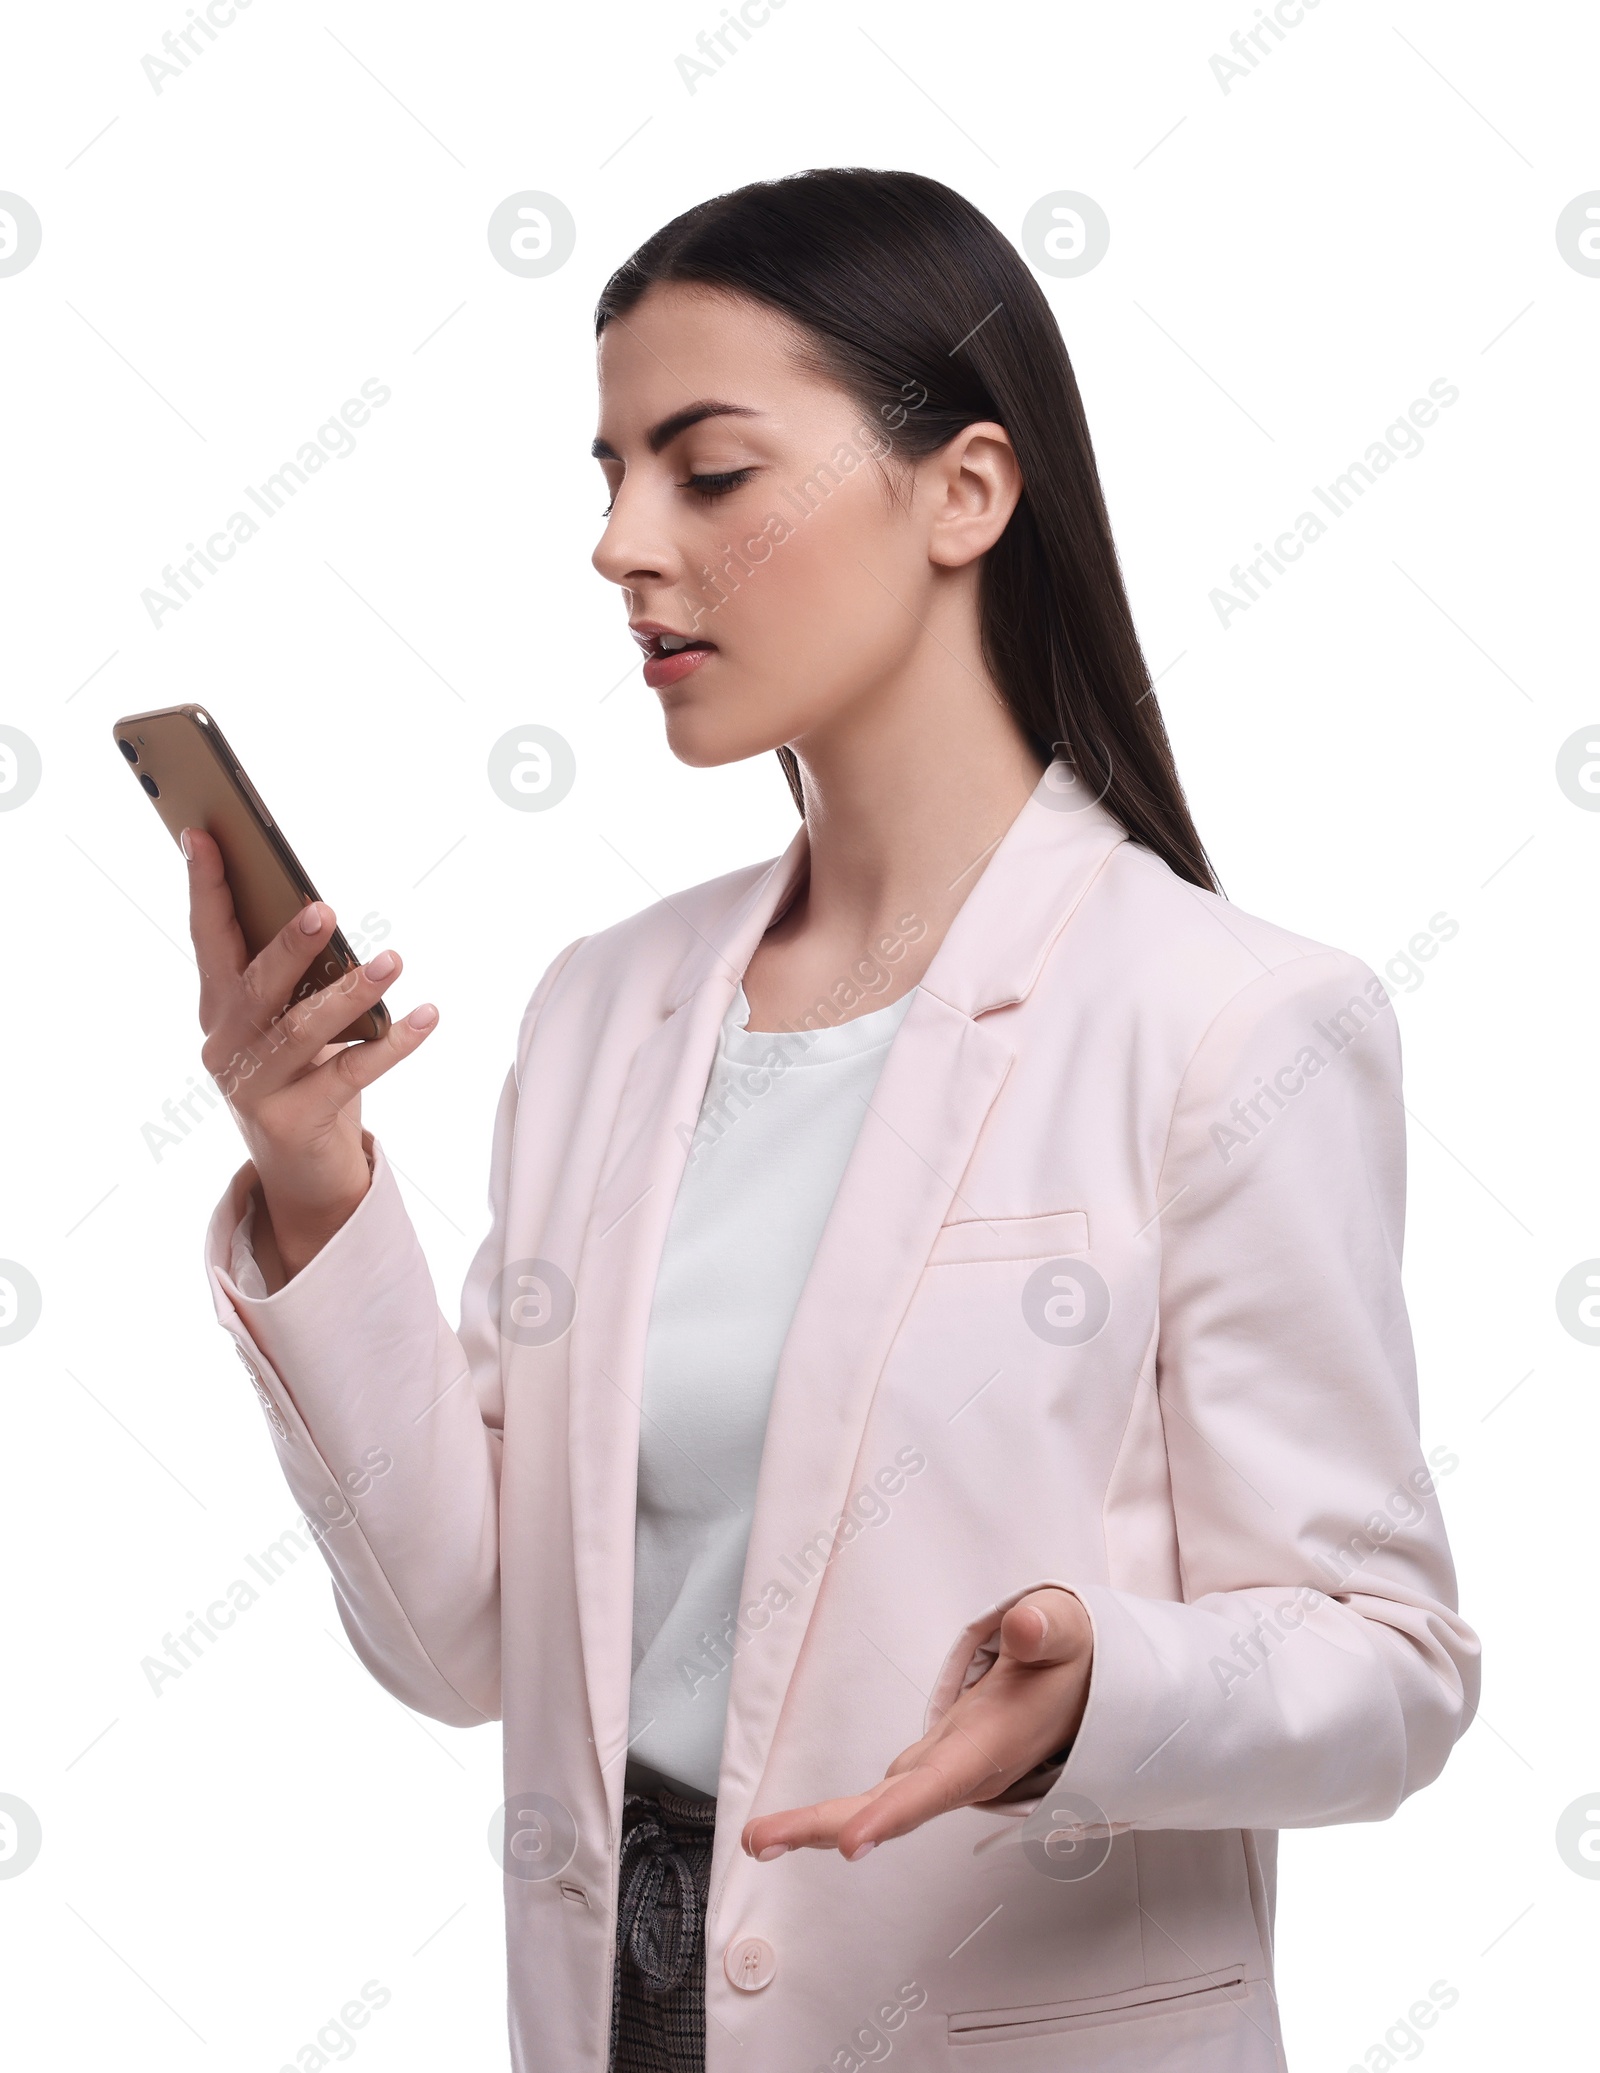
(807, 613)
(827, 594)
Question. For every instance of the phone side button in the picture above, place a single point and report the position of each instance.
(252, 795)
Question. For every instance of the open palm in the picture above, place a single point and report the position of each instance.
(1024, 1708)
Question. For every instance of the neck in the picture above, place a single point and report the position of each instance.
(908, 794)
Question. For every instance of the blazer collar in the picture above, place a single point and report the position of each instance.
(996, 946)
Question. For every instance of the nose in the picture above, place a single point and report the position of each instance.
(625, 553)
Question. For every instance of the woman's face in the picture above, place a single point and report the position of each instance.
(749, 516)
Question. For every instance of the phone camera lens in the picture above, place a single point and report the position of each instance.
(149, 784)
(128, 749)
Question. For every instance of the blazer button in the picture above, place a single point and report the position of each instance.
(749, 1962)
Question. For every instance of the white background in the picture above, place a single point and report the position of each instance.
(1373, 742)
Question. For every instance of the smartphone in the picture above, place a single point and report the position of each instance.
(194, 780)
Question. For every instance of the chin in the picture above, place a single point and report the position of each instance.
(708, 748)
(706, 740)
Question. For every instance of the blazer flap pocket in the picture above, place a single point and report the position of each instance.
(1011, 1238)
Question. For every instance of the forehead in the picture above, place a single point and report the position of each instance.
(681, 342)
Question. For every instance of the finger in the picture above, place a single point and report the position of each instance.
(270, 1051)
(1048, 1626)
(219, 945)
(361, 1064)
(342, 1071)
(912, 1798)
(803, 1828)
(854, 1827)
(954, 1720)
(909, 1758)
(269, 980)
(958, 1775)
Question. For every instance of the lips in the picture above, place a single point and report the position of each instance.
(669, 656)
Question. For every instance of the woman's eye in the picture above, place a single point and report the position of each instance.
(710, 486)
(609, 509)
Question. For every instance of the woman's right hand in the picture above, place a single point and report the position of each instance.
(295, 1096)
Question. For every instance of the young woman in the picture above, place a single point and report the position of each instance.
(928, 1469)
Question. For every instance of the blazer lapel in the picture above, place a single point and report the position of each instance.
(615, 1286)
(942, 1074)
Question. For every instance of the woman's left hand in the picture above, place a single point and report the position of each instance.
(1021, 1711)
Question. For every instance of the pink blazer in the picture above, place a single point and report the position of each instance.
(1110, 1297)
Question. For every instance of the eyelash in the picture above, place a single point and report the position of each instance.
(713, 486)
(709, 487)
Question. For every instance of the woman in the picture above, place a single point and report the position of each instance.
(938, 1374)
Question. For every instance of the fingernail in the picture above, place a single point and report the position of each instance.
(772, 1850)
(424, 1017)
(382, 965)
(311, 918)
(855, 1856)
(185, 844)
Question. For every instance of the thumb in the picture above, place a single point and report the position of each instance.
(1048, 1626)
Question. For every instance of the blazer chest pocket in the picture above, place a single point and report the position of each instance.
(973, 1240)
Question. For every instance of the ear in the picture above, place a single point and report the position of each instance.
(973, 484)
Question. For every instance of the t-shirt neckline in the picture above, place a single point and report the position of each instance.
(814, 1046)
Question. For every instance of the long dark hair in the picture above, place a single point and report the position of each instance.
(927, 316)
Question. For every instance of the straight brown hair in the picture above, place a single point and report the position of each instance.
(930, 319)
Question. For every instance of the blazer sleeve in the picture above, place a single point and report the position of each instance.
(1315, 1669)
(388, 1423)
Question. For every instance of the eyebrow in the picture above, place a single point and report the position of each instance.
(662, 435)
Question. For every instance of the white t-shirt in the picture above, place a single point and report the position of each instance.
(780, 1116)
